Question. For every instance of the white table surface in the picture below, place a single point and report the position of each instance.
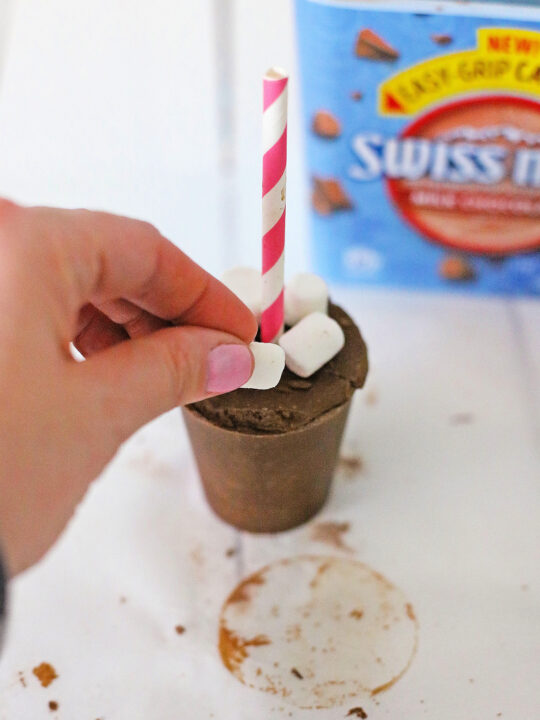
(112, 105)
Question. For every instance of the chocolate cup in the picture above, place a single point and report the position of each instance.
(267, 483)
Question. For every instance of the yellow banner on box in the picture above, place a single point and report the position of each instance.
(506, 59)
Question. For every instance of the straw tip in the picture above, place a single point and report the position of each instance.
(276, 73)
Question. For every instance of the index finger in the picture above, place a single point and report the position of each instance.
(104, 257)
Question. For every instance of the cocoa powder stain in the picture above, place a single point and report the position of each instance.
(331, 533)
(356, 614)
(45, 673)
(233, 649)
(357, 712)
(53, 705)
(351, 464)
(371, 397)
(241, 593)
(384, 687)
(320, 571)
(179, 629)
(461, 418)
(410, 611)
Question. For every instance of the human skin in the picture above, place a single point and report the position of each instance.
(147, 319)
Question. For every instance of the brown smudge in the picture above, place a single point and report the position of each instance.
(326, 125)
(356, 95)
(241, 593)
(45, 673)
(384, 687)
(331, 533)
(297, 673)
(461, 418)
(230, 552)
(351, 464)
(357, 712)
(22, 679)
(53, 705)
(371, 46)
(329, 196)
(357, 614)
(233, 648)
(456, 269)
(179, 629)
(122, 599)
(441, 38)
(410, 611)
(371, 397)
(320, 571)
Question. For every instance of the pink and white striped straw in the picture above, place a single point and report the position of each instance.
(274, 137)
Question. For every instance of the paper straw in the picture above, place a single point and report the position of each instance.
(273, 201)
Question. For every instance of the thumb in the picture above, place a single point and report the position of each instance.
(137, 380)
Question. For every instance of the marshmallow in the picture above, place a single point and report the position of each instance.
(311, 343)
(305, 293)
(245, 283)
(269, 365)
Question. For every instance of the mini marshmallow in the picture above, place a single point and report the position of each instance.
(311, 343)
(269, 365)
(245, 283)
(304, 293)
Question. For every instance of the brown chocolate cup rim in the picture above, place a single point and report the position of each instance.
(302, 428)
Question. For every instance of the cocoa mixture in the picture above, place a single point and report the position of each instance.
(293, 404)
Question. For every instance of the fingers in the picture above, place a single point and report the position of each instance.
(101, 257)
(133, 382)
(135, 321)
(97, 332)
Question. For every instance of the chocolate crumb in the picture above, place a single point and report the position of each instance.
(441, 38)
(326, 125)
(356, 95)
(45, 673)
(230, 552)
(297, 673)
(53, 705)
(357, 614)
(456, 269)
(123, 599)
(329, 196)
(180, 629)
(371, 46)
(357, 712)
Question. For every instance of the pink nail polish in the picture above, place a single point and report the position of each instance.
(229, 367)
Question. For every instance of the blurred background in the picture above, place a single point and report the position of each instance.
(148, 109)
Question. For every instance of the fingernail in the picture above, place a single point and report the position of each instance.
(229, 366)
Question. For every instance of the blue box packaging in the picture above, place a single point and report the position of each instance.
(422, 125)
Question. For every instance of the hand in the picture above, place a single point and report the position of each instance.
(158, 331)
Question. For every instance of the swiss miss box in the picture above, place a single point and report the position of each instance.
(422, 122)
